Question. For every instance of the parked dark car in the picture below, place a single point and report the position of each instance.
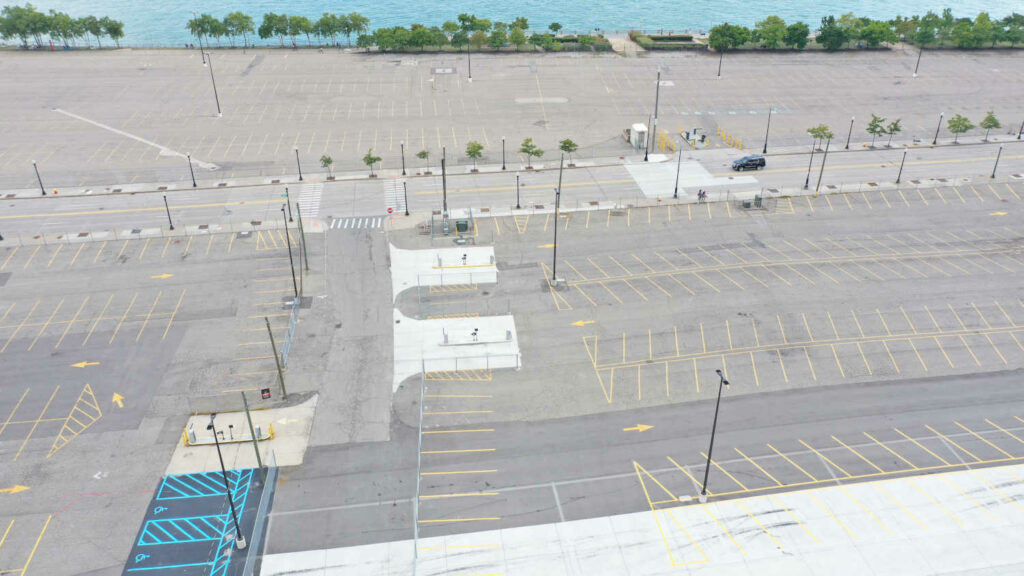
(748, 163)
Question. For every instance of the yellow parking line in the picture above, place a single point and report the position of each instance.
(32, 554)
(866, 510)
(825, 458)
(445, 520)
(724, 471)
(922, 446)
(458, 431)
(891, 451)
(968, 497)
(878, 486)
(829, 512)
(758, 466)
(795, 519)
(77, 252)
(46, 324)
(684, 471)
(19, 327)
(858, 454)
(724, 530)
(36, 422)
(98, 252)
(149, 315)
(979, 437)
(123, 316)
(33, 255)
(9, 256)
(947, 439)
(1005, 431)
(461, 451)
(795, 465)
(174, 314)
(446, 472)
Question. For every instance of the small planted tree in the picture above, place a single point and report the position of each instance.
(531, 150)
(517, 37)
(989, 123)
(423, 155)
(876, 127)
(327, 163)
(568, 146)
(554, 27)
(958, 125)
(474, 150)
(892, 129)
(370, 160)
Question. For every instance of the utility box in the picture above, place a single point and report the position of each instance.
(638, 136)
(461, 226)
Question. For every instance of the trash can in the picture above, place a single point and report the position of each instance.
(757, 201)
(746, 203)
(461, 225)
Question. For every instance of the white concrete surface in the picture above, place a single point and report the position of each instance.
(658, 179)
(966, 522)
(292, 426)
(441, 267)
(421, 345)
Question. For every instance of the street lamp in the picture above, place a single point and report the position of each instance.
(765, 149)
(900, 175)
(405, 192)
(850, 133)
(704, 487)
(822, 171)
(679, 161)
(469, 60)
(291, 260)
(502, 152)
(654, 126)
(168, 209)
(920, 51)
(937, 128)
(297, 163)
(444, 185)
(40, 180)
(807, 181)
(402, 144)
(517, 191)
(288, 203)
(190, 170)
(1021, 131)
(558, 199)
(239, 539)
(214, 82)
(998, 154)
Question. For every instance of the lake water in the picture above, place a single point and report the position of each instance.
(163, 24)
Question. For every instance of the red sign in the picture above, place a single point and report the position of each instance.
(265, 393)
(390, 210)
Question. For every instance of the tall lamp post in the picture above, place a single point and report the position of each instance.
(168, 209)
(469, 60)
(297, 163)
(679, 161)
(920, 51)
(822, 171)
(190, 170)
(239, 539)
(849, 134)
(900, 175)
(654, 123)
(38, 179)
(1021, 131)
(402, 144)
(213, 80)
(291, 260)
(199, 37)
(288, 203)
(558, 199)
(937, 128)
(517, 191)
(502, 152)
(444, 185)
(998, 154)
(405, 193)
(765, 149)
(807, 181)
(714, 424)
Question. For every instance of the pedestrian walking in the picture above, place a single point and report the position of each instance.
(475, 335)
(464, 259)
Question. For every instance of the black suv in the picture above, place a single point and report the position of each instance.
(748, 162)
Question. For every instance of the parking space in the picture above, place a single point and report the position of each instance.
(19, 541)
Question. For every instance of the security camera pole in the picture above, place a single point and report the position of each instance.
(704, 487)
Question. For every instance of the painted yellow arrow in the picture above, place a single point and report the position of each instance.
(84, 364)
(638, 428)
(162, 276)
(14, 489)
(582, 322)
(998, 214)
(546, 246)
(118, 399)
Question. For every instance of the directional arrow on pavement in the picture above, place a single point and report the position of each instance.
(84, 364)
(638, 428)
(998, 214)
(14, 489)
(546, 246)
(162, 276)
(582, 323)
(118, 399)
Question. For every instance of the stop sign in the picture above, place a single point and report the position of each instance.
(390, 210)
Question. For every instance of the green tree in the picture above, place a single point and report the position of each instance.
(113, 28)
(831, 35)
(569, 147)
(298, 25)
(355, 23)
(820, 132)
(517, 37)
(239, 23)
(797, 35)
(459, 39)
(328, 163)
(450, 28)
(771, 32)
(498, 37)
(944, 25)
(328, 26)
(437, 37)
(15, 22)
(61, 25)
(554, 27)
(419, 36)
(727, 36)
(586, 41)
(989, 123)
(273, 25)
(217, 29)
(876, 127)
(474, 150)
(892, 129)
(467, 22)
(877, 32)
(522, 23)
(1013, 29)
(370, 160)
(983, 30)
(91, 24)
(851, 25)
(958, 125)
(423, 155)
(531, 150)
(478, 39)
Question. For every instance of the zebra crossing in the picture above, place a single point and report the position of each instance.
(394, 195)
(309, 199)
(356, 223)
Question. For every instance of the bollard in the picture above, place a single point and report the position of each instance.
(445, 332)
(508, 335)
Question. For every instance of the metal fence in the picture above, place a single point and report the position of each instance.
(293, 319)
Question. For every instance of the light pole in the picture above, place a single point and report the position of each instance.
(654, 126)
(517, 191)
(807, 181)
(405, 193)
(168, 209)
(679, 161)
(213, 80)
(918, 65)
(822, 171)
(469, 59)
(765, 149)
(900, 175)
(998, 154)
(199, 37)
(502, 152)
(937, 128)
(704, 487)
(849, 134)
(1021, 131)
(190, 170)
(288, 203)
(558, 199)
(291, 260)
(297, 163)
(40, 180)
(721, 55)
(444, 185)
(239, 539)
(402, 144)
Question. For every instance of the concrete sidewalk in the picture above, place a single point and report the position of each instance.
(966, 522)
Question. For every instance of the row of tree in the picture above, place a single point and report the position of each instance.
(240, 24)
(474, 150)
(957, 125)
(25, 23)
(837, 33)
(469, 30)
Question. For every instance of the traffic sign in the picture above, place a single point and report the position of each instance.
(390, 210)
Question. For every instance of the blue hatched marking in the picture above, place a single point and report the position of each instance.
(222, 560)
(177, 530)
(199, 485)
